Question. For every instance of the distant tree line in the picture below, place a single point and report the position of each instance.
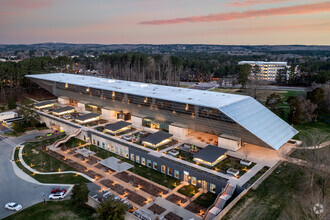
(163, 69)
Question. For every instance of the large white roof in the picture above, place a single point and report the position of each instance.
(245, 110)
(170, 93)
(263, 63)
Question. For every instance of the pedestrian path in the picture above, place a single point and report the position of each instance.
(248, 175)
(20, 153)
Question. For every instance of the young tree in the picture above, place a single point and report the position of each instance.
(112, 209)
(11, 103)
(317, 96)
(79, 194)
(273, 102)
(243, 74)
(294, 116)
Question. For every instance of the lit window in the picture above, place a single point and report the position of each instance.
(155, 166)
(163, 168)
(132, 157)
(212, 188)
(176, 174)
(143, 161)
(169, 171)
(193, 181)
(137, 159)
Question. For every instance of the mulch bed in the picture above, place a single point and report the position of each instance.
(136, 198)
(172, 216)
(157, 209)
(175, 199)
(72, 151)
(118, 188)
(92, 160)
(106, 182)
(107, 169)
(145, 186)
(132, 196)
(92, 174)
(193, 207)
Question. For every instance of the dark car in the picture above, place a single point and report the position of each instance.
(58, 190)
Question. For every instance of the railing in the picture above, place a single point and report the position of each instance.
(66, 138)
(219, 202)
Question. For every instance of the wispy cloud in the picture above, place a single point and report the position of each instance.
(245, 3)
(291, 10)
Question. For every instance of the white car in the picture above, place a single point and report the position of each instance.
(59, 195)
(13, 206)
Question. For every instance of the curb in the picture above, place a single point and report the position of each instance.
(46, 173)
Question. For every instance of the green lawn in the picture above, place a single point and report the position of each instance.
(317, 126)
(256, 177)
(205, 199)
(287, 94)
(67, 178)
(41, 161)
(188, 190)
(232, 162)
(74, 142)
(310, 155)
(271, 198)
(53, 210)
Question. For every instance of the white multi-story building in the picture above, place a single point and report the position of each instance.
(268, 70)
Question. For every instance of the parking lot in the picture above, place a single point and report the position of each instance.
(14, 188)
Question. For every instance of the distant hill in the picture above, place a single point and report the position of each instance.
(170, 48)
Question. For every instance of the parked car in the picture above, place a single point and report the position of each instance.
(107, 194)
(13, 206)
(59, 195)
(58, 190)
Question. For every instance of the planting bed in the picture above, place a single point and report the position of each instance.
(176, 199)
(193, 207)
(145, 186)
(157, 209)
(172, 216)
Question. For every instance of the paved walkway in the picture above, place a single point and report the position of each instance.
(15, 185)
(322, 145)
(249, 174)
(170, 207)
(20, 156)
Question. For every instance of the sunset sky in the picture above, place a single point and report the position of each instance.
(250, 22)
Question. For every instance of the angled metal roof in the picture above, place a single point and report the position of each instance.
(157, 137)
(260, 121)
(170, 93)
(244, 110)
(63, 109)
(87, 116)
(118, 125)
(39, 104)
(210, 153)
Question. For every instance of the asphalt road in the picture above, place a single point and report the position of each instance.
(12, 187)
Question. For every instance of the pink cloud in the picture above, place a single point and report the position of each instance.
(245, 3)
(292, 10)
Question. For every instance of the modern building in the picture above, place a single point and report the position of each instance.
(167, 113)
(268, 70)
